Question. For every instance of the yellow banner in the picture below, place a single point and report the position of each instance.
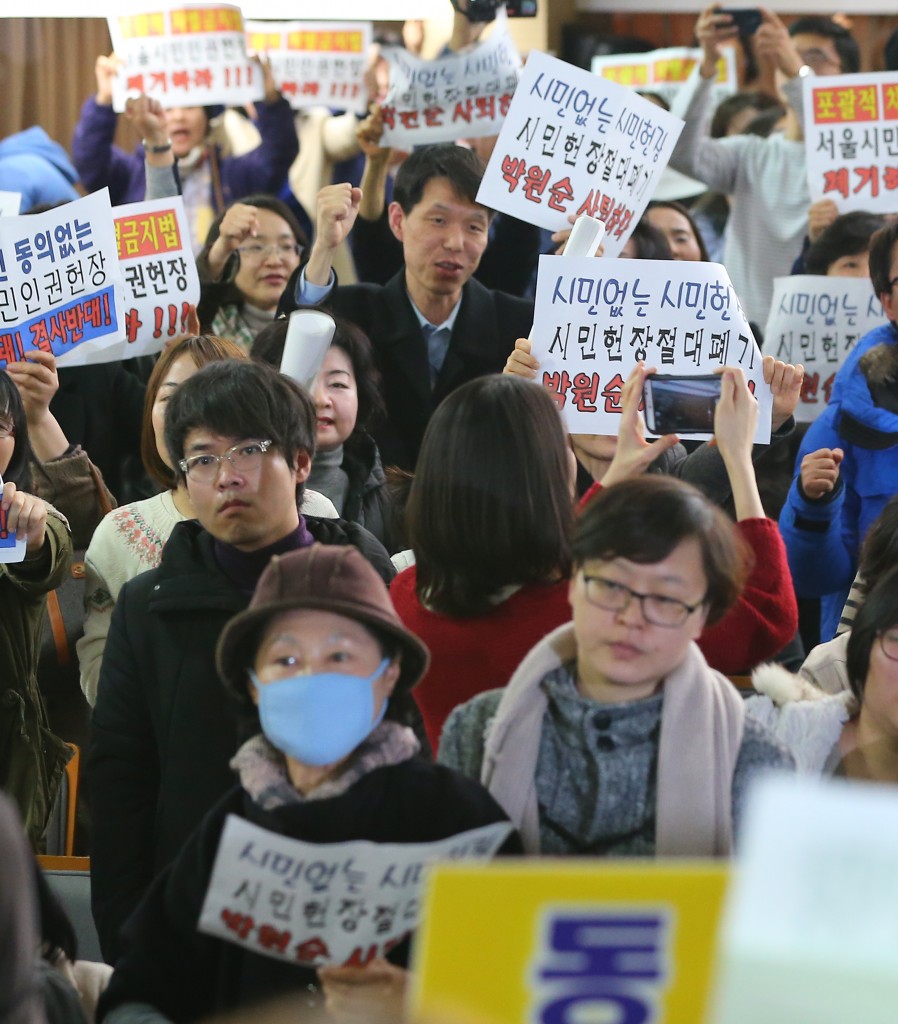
(547, 942)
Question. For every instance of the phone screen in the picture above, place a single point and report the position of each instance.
(520, 8)
(681, 405)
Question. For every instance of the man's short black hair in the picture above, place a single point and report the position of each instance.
(242, 399)
(461, 167)
(882, 246)
(846, 45)
(848, 235)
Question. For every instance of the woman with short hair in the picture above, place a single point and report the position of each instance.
(614, 736)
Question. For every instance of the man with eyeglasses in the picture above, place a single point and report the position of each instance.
(847, 466)
(766, 178)
(433, 326)
(243, 437)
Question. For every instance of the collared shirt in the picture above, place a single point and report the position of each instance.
(437, 336)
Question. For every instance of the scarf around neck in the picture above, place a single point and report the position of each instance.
(262, 768)
(702, 721)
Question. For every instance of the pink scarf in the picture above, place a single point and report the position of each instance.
(702, 719)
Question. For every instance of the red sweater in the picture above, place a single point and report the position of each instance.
(469, 656)
(765, 617)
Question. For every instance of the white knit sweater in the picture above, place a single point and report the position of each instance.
(127, 542)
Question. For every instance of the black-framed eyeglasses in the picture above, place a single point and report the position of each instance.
(656, 609)
(888, 641)
(245, 457)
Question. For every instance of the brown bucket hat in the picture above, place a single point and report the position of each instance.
(325, 577)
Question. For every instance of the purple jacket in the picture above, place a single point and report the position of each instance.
(263, 169)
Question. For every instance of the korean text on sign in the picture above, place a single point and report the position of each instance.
(606, 961)
(457, 96)
(61, 284)
(596, 318)
(184, 55)
(665, 72)
(851, 140)
(315, 904)
(161, 281)
(817, 321)
(316, 62)
(576, 143)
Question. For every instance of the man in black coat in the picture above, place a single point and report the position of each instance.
(432, 326)
(243, 437)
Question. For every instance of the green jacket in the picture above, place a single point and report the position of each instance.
(32, 759)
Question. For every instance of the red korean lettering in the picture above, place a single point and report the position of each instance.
(836, 181)
(585, 391)
(809, 388)
(868, 176)
(271, 938)
(512, 169)
(312, 950)
(535, 183)
(240, 924)
(612, 393)
(560, 194)
(559, 384)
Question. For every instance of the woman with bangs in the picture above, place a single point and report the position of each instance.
(614, 737)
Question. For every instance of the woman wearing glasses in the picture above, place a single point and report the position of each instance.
(250, 252)
(854, 732)
(614, 736)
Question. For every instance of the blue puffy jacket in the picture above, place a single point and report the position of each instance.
(823, 537)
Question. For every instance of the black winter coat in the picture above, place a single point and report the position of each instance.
(485, 330)
(162, 733)
(187, 975)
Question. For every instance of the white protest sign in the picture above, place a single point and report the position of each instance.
(184, 55)
(810, 929)
(816, 321)
(457, 96)
(61, 284)
(161, 281)
(11, 550)
(316, 62)
(595, 318)
(576, 143)
(851, 140)
(10, 203)
(317, 904)
(664, 72)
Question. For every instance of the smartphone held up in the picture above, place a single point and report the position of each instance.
(676, 404)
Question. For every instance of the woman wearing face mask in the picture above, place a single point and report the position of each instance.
(250, 252)
(322, 660)
(346, 467)
(31, 757)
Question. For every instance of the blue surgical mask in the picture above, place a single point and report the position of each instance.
(319, 719)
